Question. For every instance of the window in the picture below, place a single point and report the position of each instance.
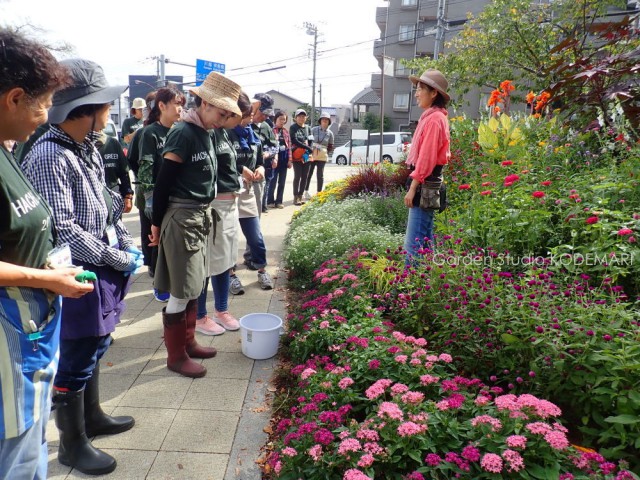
(401, 101)
(406, 33)
(401, 70)
(409, 3)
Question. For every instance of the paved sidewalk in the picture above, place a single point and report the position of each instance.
(190, 429)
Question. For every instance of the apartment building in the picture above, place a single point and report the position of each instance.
(410, 29)
(420, 28)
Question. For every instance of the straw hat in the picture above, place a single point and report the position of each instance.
(220, 92)
(435, 79)
(89, 86)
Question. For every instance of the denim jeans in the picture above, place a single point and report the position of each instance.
(255, 241)
(78, 360)
(419, 231)
(26, 456)
(220, 287)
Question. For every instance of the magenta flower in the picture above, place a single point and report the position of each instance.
(625, 231)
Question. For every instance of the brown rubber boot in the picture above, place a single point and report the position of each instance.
(192, 347)
(175, 335)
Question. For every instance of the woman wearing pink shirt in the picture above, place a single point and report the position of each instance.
(429, 153)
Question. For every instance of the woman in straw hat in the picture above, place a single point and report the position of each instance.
(429, 153)
(181, 219)
(30, 293)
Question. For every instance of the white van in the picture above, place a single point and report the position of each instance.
(394, 149)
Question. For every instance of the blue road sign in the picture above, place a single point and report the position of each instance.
(203, 67)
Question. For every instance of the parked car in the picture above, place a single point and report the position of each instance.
(111, 129)
(395, 147)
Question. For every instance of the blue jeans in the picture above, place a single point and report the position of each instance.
(419, 232)
(220, 287)
(255, 241)
(78, 359)
(26, 456)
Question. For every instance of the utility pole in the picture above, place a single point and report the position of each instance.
(384, 60)
(313, 31)
(440, 29)
(320, 93)
(162, 78)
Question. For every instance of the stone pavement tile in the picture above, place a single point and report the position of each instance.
(157, 392)
(201, 431)
(210, 393)
(132, 465)
(139, 300)
(229, 365)
(128, 316)
(113, 387)
(188, 466)
(150, 319)
(248, 304)
(227, 342)
(150, 430)
(125, 360)
(133, 336)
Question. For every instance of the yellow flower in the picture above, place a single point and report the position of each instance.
(542, 144)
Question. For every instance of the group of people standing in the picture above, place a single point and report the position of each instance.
(203, 175)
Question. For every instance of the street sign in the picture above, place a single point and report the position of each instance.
(203, 67)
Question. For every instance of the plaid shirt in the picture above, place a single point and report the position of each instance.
(73, 185)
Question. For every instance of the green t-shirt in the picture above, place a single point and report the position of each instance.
(228, 175)
(197, 179)
(26, 230)
(130, 125)
(151, 144)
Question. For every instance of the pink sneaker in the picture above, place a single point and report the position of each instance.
(207, 326)
(227, 320)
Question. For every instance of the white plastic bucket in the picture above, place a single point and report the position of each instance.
(260, 335)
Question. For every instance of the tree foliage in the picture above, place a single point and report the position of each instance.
(371, 122)
(587, 61)
(514, 39)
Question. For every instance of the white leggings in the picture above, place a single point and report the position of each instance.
(176, 305)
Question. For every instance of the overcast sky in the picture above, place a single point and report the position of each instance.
(245, 35)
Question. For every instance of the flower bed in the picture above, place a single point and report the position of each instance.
(377, 403)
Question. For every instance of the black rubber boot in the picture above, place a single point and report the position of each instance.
(96, 421)
(75, 449)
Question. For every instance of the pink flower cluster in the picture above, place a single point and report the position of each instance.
(408, 429)
(390, 410)
(355, 474)
(496, 424)
(378, 388)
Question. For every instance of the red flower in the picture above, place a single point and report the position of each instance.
(546, 183)
(486, 192)
(486, 184)
(508, 184)
(511, 178)
(625, 231)
(464, 186)
(538, 194)
(592, 220)
(506, 163)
